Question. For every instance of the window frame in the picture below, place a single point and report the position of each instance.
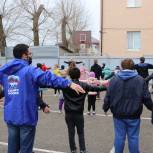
(133, 41)
(85, 37)
(136, 4)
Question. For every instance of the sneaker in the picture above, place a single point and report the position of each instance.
(60, 112)
(112, 150)
(88, 113)
(93, 113)
(74, 151)
(98, 98)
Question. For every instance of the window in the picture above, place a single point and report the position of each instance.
(134, 3)
(82, 37)
(134, 40)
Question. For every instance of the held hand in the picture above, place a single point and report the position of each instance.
(46, 110)
(105, 83)
(77, 88)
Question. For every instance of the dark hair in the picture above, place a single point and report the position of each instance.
(142, 59)
(62, 67)
(72, 65)
(127, 64)
(19, 50)
(39, 65)
(74, 73)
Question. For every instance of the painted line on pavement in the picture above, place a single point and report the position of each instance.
(35, 149)
(103, 115)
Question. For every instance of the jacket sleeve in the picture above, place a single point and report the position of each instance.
(110, 76)
(88, 88)
(66, 62)
(78, 62)
(41, 103)
(106, 105)
(48, 79)
(152, 116)
(147, 79)
(1, 92)
(147, 101)
(150, 66)
(136, 66)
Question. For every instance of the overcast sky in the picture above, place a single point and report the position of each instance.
(94, 9)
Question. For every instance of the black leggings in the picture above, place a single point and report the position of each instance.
(75, 121)
(91, 102)
(55, 91)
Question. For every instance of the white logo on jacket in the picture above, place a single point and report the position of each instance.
(13, 85)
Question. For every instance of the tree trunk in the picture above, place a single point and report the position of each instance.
(63, 28)
(35, 30)
(2, 38)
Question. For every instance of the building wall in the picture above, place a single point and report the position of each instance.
(76, 39)
(118, 19)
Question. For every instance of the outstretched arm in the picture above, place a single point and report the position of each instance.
(48, 79)
(66, 62)
(147, 79)
(147, 101)
(150, 66)
(78, 62)
(94, 88)
(106, 104)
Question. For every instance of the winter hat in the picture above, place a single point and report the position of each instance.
(92, 74)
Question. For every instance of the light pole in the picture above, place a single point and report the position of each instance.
(101, 26)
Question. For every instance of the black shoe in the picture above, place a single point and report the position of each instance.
(73, 151)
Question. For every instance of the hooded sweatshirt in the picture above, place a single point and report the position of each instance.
(126, 95)
(21, 82)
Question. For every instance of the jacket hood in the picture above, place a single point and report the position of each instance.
(106, 68)
(13, 66)
(126, 74)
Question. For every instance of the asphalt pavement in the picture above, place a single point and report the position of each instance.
(52, 136)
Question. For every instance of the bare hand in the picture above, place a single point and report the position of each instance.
(77, 88)
(46, 110)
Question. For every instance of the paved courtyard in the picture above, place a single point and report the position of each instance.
(52, 137)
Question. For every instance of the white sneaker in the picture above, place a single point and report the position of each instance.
(112, 150)
(93, 113)
(60, 112)
(88, 113)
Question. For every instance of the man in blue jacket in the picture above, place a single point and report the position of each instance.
(21, 82)
(142, 67)
(125, 97)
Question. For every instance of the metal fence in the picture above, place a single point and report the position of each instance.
(50, 56)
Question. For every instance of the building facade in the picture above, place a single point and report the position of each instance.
(127, 28)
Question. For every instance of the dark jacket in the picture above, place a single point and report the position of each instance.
(152, 116)
(97, 70)
(142, 69)
(126, 95)
(73, 102)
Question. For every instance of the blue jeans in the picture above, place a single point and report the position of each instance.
(132, 129)
(20, 138)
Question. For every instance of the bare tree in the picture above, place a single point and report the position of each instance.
(36, 14)
(9, 15)
(71, 16)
